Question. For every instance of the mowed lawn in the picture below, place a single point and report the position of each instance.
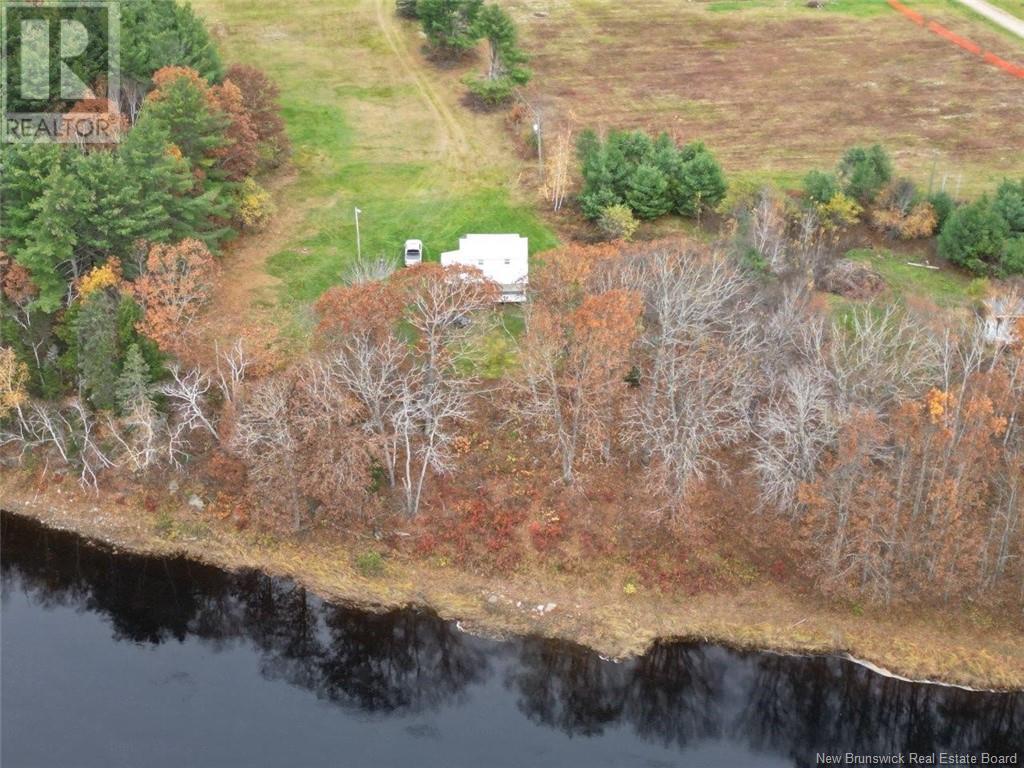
(375, 126)
(776, 88)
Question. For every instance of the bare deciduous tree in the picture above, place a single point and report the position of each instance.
(792, 432)
(696, 378)
(187, 393)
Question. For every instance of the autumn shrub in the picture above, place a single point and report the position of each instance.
(260, 99)
(240, 154)
(548, 534)
(255, 206)
(840, 211)
(901, 213)
(177, 283)
(478, 534)
(618, 222)
(13, 378)
(920, 221)
(225, 472)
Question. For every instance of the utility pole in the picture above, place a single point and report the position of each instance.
(537, 130)
(359, 245)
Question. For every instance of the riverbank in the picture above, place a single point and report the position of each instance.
(969, 648)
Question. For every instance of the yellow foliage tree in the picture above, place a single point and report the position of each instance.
(13, 376)
(106, 275)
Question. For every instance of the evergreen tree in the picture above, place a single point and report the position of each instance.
(974, 236)
(162, 33)
(27, 169)
(701, 181)
(49, 250)
(129, 318)
(167, 188)
(450, 25)
(820, 187)
(652, 176)
(1009, 204)
(1011, 260)
(506, 59)
(864, 171)
(183, 108)
(647, 193)
(97, 348)
(133, 385)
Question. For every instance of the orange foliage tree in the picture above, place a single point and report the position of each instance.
(575, 357)
(240, 155)
(908, 506)
(259, 95)
(177, 282)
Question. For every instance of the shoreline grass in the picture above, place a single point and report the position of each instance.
(919, 646)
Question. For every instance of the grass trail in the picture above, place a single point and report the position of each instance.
(374, 126)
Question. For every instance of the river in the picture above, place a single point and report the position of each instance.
(111, 659)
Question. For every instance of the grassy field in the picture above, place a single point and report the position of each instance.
(776, 88)
(948, 289)
(373, 126)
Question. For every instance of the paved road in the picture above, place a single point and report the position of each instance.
(1007, 21)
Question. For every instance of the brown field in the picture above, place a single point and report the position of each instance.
(776, 88)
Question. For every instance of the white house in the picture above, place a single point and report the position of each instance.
(502, 258)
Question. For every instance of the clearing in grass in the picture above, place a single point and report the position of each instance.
(372, 126)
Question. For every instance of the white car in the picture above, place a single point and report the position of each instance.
(413, 253)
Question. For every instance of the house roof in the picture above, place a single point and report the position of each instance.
(502, 258)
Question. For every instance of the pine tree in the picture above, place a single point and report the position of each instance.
(864, 171)
(506, 59)
(647, 194)
(1009, 204)
(974, 236)
(701, 182)
(450, 25)
(133, 385)
(163, 33)
(182, 104)
(49, 250)
(97, 349)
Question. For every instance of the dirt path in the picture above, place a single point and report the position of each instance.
(244, 299)
(453, 135)
(244, 293)
(1007, 21)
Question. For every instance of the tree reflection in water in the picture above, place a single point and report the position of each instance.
(410, 661)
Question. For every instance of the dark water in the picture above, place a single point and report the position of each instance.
(115, 660)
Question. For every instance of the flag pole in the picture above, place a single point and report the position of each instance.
(359, 245)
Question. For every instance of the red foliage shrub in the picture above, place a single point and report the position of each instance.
(476, 534)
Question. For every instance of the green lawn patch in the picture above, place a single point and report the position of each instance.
(943, 286)
(365, 134)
